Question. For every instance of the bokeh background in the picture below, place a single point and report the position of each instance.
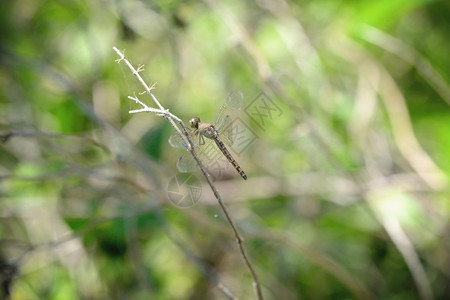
(348, 189)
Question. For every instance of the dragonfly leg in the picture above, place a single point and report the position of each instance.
(201, 140)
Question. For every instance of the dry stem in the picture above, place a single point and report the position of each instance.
(185, 136)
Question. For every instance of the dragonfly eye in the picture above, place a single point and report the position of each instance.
(194, 122)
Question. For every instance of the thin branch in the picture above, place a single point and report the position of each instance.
(5, 137)
(406, 248)
(159, 112)
(185, 136)
(136, 73)
(410, 55)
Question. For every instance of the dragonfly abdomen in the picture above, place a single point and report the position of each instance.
(227, 154)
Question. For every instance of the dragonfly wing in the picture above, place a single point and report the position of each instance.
(186, 163)
(227, 115)
(229, 109)
(234, 100)
(208, 153)
(177, 142)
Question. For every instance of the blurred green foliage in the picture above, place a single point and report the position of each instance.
(348, 184)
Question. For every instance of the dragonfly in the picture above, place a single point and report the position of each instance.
(205, 135)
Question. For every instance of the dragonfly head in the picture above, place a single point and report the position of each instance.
(194, 122)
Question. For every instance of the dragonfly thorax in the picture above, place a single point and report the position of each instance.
(194, 122)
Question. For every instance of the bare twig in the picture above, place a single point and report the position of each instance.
(406, 248)
(5, 137)
(410, 55)
(185, 136)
